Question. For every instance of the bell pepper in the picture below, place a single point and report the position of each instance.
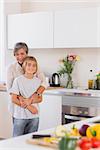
(74, 131)
(67, 143)
(93, 131)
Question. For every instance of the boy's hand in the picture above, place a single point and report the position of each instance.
(34, 110)
(23, 103)
(28, 101)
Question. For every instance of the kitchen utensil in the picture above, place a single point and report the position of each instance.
(55, 80)
(35, 136)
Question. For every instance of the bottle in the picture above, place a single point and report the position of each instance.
(90, 81)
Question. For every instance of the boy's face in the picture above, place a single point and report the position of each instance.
(31, 67)
(20, 55)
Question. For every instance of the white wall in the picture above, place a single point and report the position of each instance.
(12, 6)
(49, 58)
(49, 62)
(48, 5)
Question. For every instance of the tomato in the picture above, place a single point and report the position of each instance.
(85, 144)
(95, 143)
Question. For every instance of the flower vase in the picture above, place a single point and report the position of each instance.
(69, 84)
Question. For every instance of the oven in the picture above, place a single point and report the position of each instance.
(79, 107)
(73, 113)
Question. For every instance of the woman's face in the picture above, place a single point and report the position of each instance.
(20, 55)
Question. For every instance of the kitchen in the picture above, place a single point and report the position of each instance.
(89, 55)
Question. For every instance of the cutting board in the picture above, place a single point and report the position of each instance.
(41, 142)
(54, 146)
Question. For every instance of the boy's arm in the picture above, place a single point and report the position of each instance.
(31, 108)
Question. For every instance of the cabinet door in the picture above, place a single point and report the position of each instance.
(5, 117)
(36, 29)
(76, 28)
(50, 111)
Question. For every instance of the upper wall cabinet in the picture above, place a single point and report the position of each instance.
(78, 27)
(36, 29)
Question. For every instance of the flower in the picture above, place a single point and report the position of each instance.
(68, 64)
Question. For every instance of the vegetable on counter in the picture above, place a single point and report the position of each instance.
(93, 131)
(88, 143)
(67, 143)
(74, 131)
(83, 129)
(61, 131)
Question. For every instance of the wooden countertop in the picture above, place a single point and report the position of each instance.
(52, 88)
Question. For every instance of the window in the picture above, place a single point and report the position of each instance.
(2, 42)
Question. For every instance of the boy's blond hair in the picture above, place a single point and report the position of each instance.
(28, 58)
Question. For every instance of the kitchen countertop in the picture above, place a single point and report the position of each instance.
(73, 92)
(64, 91)
(3, 87)
(20, 142)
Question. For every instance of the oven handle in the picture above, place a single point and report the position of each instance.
(74, 117)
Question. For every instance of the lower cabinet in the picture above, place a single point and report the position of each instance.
(50, 111)
(5, 117)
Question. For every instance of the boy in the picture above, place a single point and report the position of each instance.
(25, 116)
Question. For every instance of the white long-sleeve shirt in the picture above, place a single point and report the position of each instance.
(15, 70)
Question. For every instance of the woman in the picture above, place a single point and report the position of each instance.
(15, 70)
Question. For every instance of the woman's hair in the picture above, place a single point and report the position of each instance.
(28, 58)
(20, 45)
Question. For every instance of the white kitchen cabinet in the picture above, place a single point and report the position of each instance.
(50, 111)
(98, 27)
(5, 117)
(77, 27)
(36, 29)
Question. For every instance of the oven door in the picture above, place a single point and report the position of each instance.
(73, 113)
(68, 118)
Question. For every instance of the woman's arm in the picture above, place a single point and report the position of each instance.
(9, 77)
(15, 99)
(37, 96)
